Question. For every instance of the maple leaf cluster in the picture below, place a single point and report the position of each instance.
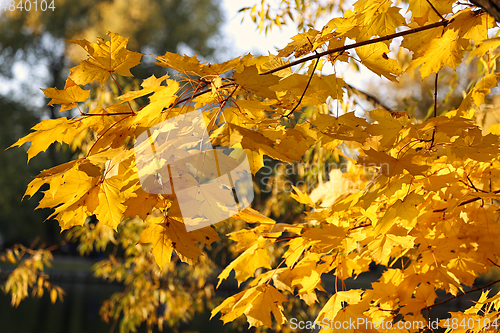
(428, 208)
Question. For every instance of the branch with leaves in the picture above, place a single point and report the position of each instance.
(423, 193)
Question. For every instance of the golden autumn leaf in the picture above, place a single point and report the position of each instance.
(387, 125)
(301, 197)
(335, 303)
(140, 204)
(167, 234)
(68, 98)
(405, 210)
(47, 132)
(372, 56)
(245, 265)
(110, 209)
(389, 165)
(444, 50)
(104, 58)
(257, 303)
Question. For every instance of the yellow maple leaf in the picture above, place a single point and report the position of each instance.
(390, 166)
(302, 197)
(418, 42)
(483, 88)
(149, 85)
(104, 58)
(72, 191)
(246, 263)
(381, 247)
(486, 46)
(325, 239)
(372, 56)
(422, 11)
(382, 23)
(336, 303)
(249, 79)
(140, 204)
(110, 209)
(405, 210)
(444, 50)
(387, 125)
(301, 44)
(68, 97)
(472, 25)
(231, 135)
(167, 234)
(50, 131)
(306, 275)
(163, 97)
(257, 303)
(269, 300)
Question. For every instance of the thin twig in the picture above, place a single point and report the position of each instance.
(304, 92)
(435, 95)
(443, 23)
(494, 263)
(116, 82)
(199, 94)
(370, 98)
(435, 10)
(107, 114)
(464, 293)
(463, 203)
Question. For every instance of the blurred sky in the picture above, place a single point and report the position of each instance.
(244, 37)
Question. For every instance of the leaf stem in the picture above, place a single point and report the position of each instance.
(435, 95)
(119, 87)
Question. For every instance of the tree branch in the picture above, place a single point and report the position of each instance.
(370, 98)
(492, 7)
(443, 23)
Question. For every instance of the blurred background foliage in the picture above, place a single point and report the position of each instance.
(33, 55)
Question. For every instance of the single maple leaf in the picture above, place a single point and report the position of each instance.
(336, 303)
(246, 264)
(49, 131)
(257, 303)
(167, 234)
(68, 98)
(110, 209)
(104, 58)
(390, 166)
(372, 56)
(444, 50)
